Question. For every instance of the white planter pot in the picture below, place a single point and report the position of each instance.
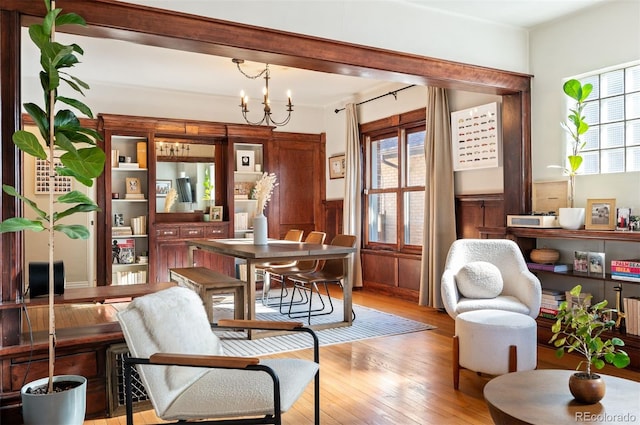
(64, 408)
(571, 218)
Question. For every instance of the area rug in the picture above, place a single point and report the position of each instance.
(369, 323)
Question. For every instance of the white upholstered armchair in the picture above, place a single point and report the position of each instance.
(182, 365)
(489, 274)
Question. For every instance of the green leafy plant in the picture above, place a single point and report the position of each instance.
(576, 127)
(579, 327)
(63, 134)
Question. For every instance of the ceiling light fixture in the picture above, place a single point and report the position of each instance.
(244, 100)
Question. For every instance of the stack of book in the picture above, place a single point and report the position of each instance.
(626, 270)
(124, 251)
(139, 225)
(121, 231)
(134, 196)
(129, 277)
(128, 165)
(551, 300)
(241, 221)
(632, 314)
(550, 267)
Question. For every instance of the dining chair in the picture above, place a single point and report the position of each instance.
(328, 272)
(279, 274)
(292, 235)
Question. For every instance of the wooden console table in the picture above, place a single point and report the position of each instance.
(543, 397)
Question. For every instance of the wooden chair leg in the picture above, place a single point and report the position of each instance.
(456, 362)
(513, 358)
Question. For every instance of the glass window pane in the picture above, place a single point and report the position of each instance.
(416, 165)
(633, 106)
(612, 109)
(612, 135)
(414, 218)
(591, 138)
(633, 159)
(590, 163)
(591, 112)
(633, 79)
(382, 218)
(612, 160)
(612, 83)
(633, 133)
(384, 163)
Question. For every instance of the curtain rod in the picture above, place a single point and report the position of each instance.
(393, 93)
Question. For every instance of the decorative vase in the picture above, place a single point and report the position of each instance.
(260, 229)
(585, 388)
(64, 407)
(571, 218)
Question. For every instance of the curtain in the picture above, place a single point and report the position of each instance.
(439, 204)
(352, 209)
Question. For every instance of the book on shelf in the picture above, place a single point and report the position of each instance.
(241, 221)
(121, 230)
(141, 151)
(631, 307)
(139, 225)
(622, 276)
(635, 263)
(134, 196)
(129, 277)
(123, 251)
(550, 267)
(128, 165)
(549, 313)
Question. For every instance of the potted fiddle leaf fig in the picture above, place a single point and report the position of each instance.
(576, 127)
(579, 327)
(57, 399)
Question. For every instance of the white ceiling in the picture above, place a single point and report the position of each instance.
(153, 67)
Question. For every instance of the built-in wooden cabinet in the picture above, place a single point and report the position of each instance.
(475, 212)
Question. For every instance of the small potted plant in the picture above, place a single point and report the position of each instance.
(573, 218)
(578, 327)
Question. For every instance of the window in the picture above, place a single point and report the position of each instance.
(612, 110)
(395, 178)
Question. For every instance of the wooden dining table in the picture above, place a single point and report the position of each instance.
(280, 250)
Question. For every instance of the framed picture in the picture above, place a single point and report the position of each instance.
(475, 137)
(245, 160)
(162, 187)
(133, 185)
(623, 219)
(596, 264)
(61, 184)
(600, 214)
(215, 212)
(337, 167)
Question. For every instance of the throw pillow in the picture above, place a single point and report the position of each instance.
(479, 279)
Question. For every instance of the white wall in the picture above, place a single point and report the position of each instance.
(597, 38)
(393, 25)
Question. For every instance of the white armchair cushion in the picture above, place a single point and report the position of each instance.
(479, 279)
(174, 320)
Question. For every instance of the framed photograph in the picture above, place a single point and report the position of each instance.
(215, 212)
(133, 185)
(581, 262)
(245, 160)
(337, 167)
(475, 137)
(596, 264)
(162, 188)
(623, 219)
(61, 184)
(600, 214)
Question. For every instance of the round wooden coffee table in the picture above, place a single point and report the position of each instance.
(543, 397)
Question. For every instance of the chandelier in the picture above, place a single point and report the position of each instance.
(244, 100)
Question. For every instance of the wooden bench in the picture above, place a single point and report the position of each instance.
(206, 282)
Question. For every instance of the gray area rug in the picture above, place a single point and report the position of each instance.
(369, 323)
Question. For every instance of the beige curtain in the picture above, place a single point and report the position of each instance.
(439, 205)
(352, 209)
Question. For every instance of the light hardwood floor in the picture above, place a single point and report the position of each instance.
(396, 380)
